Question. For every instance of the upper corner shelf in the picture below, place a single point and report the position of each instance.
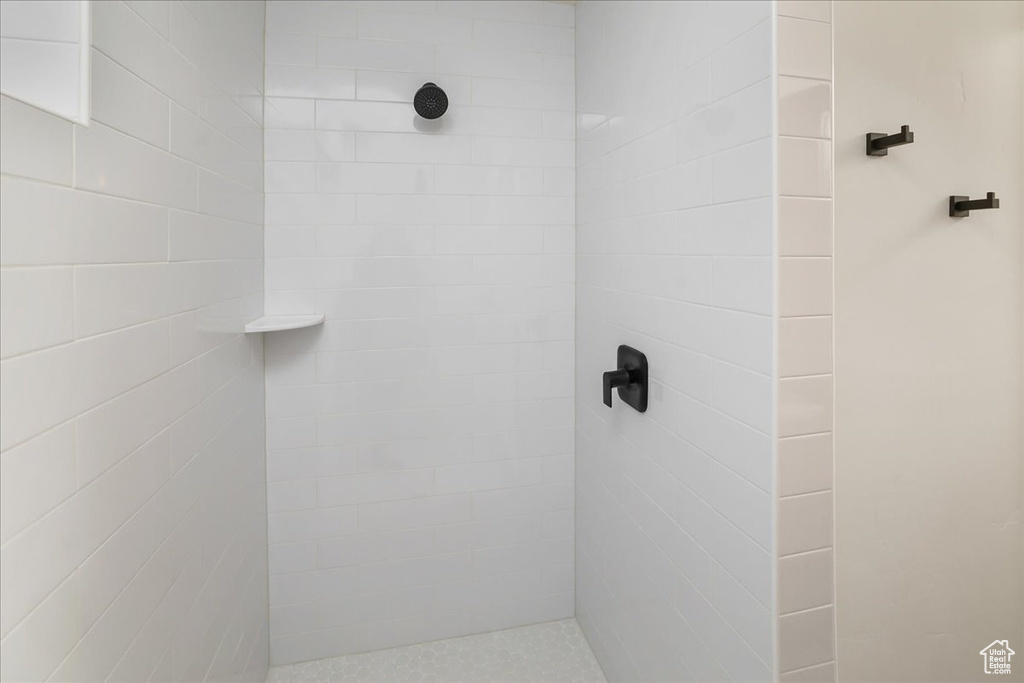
(273, 323)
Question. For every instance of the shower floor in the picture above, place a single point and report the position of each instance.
(542, 653)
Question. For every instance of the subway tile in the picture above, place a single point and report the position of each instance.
(112, 163)
(806, 638)
(428, 209)
(379, 117)
(483, 476)
(805, 226)
(805, 524)
(432, 511)
(410, 27)
(805, 346)
(743, 504)
(35, 144)
(805, 286)
(47, 23)
(113, 87)
(289, 176)
(335, 146)
(46, 635)
(47, 224)
(109, 432)
(559, 14)
(805, 581)
(414, 149)
(43, 295)
(372, 488)
(747, 616)
(388, 546)
(353, 53)
(39, 560)
(743, 284)
(558, 68)
(736, 65)
(371, 178)
(487, 61)
(37, 476)
(307, 525)
(492, 151)
(805, 48)
(295, 50)
(198, 237)
(489, 181)
(309, 209)
(291, 557)
(805, 405)
(804, 464)
(311, 586)
(290, 114)
(55, 384)
(125, 37)
(528, 11)
(310, 82)
(493, 92)
(742, 394)
(731, 20)
(113, 296)
(290, 145)
(742, 173)
(309, 17)
(805, 167)
(522, 37)
(805, 106)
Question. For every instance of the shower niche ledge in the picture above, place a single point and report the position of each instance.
(276, 323)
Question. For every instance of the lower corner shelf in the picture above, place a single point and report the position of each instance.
(274, 323)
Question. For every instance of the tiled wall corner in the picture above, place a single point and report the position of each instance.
(805, 587)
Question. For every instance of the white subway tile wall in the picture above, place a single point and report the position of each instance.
(804, 552)
(420, 443)
(674, 553)
(132, 468)
(40, 54)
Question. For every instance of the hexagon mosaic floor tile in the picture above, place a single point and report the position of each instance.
(542, 653)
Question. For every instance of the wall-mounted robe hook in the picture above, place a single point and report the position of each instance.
(878, 144)
(959, 207)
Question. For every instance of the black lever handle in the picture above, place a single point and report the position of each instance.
(878, 144)
(612, 380)
(959, 207)
(630, 378)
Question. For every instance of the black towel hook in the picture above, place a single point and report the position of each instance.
(960, 207)
(878, 144)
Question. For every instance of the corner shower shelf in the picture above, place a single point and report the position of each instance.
(273, 323)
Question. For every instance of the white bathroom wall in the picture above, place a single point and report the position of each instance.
(674, 512)
(421, 441)
(929, 345)
(41, 47)
(132, 509)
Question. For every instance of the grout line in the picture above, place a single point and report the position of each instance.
(805, 552)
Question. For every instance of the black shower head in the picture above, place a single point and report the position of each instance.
(430, 101)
